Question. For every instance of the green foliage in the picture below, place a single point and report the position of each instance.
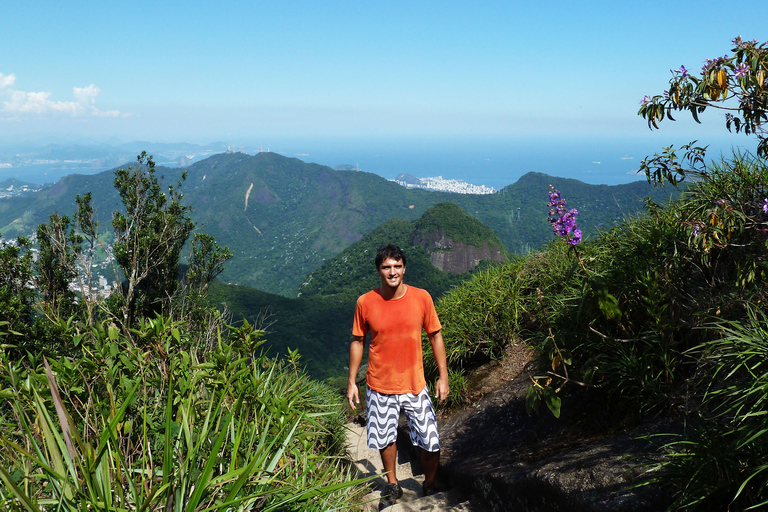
(149, 238)
(159, 426)
(55, 265)
(735, 84)
(68, 250)
(16, 298)
(206, 261)
(458, 386)
(720, 461)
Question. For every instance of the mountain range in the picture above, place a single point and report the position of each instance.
(283, 218)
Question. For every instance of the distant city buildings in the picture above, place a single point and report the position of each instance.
(440, 184)
(97, 284)
(17, 190)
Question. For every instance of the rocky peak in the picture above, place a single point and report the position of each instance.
(456, 257)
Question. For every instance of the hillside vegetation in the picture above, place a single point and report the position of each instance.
(663, 315)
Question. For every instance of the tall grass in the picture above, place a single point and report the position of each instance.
(720, 461)
(151, 425)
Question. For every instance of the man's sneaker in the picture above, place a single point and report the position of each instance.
(390, 495)
(428, 491)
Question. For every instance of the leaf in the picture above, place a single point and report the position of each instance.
(695, 114)
(201, 483)
(552, 400)
(15, 491)
(532, 400)
(609, 305)
(64, 420)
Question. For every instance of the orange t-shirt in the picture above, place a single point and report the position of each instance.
(395, 361)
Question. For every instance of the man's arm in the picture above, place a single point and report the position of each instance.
(438, 348)
(355, 358)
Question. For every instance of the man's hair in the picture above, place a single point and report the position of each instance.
(389, 251)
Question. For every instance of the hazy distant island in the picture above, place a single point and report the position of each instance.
(441, 184)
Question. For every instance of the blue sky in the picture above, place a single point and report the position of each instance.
(248, 71)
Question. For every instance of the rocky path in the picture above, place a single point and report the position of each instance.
(409, 475)
(505, 460)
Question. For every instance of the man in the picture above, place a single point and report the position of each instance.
(395, 315)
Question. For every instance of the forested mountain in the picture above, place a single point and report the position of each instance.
(282, 218)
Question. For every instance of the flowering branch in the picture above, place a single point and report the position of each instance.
(562, 219)
(739, 78)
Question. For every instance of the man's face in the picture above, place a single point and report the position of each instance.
(391, 272)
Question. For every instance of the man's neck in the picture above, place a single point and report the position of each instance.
(392, 293)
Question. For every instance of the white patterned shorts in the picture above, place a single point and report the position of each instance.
(383, 413)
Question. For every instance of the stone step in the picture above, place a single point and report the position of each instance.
(450, 501)
(368, 463)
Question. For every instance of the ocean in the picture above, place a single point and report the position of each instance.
(481, 161)
(494, 163)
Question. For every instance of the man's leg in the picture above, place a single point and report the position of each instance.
(383, 412)
(389, 461)
(423, 431)
(429, 461)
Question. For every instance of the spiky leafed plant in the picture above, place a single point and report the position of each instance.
(160, 429)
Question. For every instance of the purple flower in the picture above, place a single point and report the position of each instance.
(683, 71)
(645, 99)
(741, 70)
(765, 205)
(562, 219)
(576, 237)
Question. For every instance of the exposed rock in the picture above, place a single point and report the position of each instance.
(506, 460)
(457, 257)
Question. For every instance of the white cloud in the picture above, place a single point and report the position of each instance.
(39, 103)
(86, 95)
(7, 80)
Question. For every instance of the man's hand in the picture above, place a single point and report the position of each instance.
(355, 357)
(353, 395)
(443, 389)
(438, 348)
